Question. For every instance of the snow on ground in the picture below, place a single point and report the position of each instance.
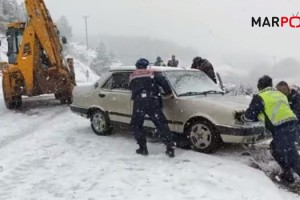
(47, 152)
(3, 49)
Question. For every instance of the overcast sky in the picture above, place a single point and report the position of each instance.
(221, 26)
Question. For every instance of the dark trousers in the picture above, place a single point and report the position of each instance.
(149, 106)
(283, 147)
(298, 134)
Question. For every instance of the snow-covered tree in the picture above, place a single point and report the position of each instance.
(22, 14)
(64, 27)
(10, 11)
(2, 17)
(102, 62)
(242, 90)
(112, 56)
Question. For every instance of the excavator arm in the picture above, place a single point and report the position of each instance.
(46, 31)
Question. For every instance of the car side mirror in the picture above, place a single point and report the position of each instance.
(96, 85)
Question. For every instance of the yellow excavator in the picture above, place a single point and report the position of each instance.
(36, 63)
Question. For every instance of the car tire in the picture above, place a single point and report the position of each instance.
(203, 136)
(100, 123)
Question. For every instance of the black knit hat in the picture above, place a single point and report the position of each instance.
(264, 82)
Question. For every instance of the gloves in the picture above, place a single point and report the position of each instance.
(239, 115)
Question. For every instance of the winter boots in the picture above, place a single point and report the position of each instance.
(170, 150)
(287, 176)
(143, 150)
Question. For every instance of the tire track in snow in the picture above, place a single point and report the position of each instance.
(28, 130)
(17, 176)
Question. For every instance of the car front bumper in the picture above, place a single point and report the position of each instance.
(83, 112)
(243, 134)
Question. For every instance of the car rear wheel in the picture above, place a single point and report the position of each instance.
(100, 123)
(203, 136)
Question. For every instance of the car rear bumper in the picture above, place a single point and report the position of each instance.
(248, 135)
(83, 112)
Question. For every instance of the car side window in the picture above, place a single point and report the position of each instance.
(118, 81)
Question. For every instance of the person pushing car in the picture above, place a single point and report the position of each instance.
(147, 101)
(294, 100)
(272, 107)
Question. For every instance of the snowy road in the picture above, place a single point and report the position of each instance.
(47, 152)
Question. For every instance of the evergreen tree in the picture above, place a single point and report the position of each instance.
(10, 11)
(22, 14)
(102, 62)
(112, 56)
(64, 27)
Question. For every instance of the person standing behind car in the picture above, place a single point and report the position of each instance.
(159, 62)
(205, 66)
(294, 100)
(173, 62)
(146, 101)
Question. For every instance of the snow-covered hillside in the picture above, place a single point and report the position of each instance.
(82, 60)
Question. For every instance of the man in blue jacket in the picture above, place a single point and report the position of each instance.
(147, 101)
(272, 107)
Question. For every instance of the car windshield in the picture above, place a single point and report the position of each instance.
(189, 83)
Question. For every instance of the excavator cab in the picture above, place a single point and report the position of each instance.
(14, 36)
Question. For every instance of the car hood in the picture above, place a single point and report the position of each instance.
(228, 101)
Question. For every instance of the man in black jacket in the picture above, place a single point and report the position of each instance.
(292, 95)
(205, 66)
(147, 101)
(173, 62)
(294, 100)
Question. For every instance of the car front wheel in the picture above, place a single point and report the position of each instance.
(100, 123)
(203, 136)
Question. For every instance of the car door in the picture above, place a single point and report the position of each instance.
(168, 110)
(115, 97)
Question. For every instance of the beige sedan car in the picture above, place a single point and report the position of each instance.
(198, 112)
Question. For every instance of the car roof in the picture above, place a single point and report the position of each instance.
(154, 68)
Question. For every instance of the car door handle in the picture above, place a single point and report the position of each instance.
(101, 95)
